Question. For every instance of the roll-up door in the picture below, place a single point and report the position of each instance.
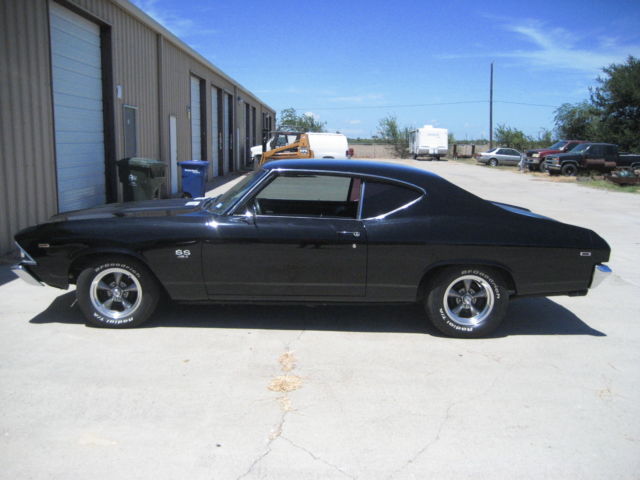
(196, 131)
(215, 133)
(76, 66)
(226, 132)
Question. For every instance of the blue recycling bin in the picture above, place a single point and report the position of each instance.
(194, 177)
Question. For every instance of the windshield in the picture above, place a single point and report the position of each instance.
(557, 145)
(580, 148)
(224, 201)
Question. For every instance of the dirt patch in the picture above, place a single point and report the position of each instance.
(287, 361)
(285, 383)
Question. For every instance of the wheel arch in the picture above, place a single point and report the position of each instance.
(87, 257)
(433, 270)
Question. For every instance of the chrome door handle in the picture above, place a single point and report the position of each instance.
(344, 232)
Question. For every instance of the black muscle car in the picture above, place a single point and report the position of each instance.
(315, 231)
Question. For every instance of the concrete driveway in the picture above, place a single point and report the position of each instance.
(336, 392)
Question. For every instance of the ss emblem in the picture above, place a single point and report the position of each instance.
(183, 253)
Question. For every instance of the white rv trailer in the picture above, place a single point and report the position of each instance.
(429, 141)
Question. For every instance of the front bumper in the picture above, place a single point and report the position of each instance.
(552, 166)
(600, 274)
(532, 161)
(23, 272)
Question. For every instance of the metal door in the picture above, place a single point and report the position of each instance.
(173, 152)
(130, 131)
(197, 144)
(76, 68)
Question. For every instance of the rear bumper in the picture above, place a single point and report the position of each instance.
(600, 274)
(23, 272)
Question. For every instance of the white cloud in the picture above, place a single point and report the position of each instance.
(557, 48)
(315, 116)
(355, 122)
(179, 26)
(357, 98)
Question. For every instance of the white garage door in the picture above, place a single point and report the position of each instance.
(77, 103)
(196, 132)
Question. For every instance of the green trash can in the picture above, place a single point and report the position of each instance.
(141, 178)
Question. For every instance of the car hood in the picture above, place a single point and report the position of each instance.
(534, 150)
(147, 208)
(546, 151)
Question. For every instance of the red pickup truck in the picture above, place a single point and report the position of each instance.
(535, 158)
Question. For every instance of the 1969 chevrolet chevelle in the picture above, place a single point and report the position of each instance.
(315, 231)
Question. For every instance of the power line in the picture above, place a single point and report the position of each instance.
(413, 105)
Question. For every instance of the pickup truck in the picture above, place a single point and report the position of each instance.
(535, 158)
(590, 156)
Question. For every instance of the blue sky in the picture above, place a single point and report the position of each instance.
(351, 63)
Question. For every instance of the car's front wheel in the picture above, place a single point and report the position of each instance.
(117, 293)
(493, 162)
(569, 170)
(467, 302)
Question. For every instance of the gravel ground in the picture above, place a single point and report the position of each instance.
(336, 392)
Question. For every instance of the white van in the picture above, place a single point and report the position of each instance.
(323, 145)
(429, 141)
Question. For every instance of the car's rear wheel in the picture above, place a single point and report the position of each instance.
(569, 170)
(493, 162)
(117, 292)
(467, 301)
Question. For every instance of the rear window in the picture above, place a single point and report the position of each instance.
(381, 198)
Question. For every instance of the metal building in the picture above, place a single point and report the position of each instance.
(84, 83)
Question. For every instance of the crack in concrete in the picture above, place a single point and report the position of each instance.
(275, 434)
(316, 457)
(287, 364)
(446, 418)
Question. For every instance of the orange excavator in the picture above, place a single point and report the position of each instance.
(298, 149)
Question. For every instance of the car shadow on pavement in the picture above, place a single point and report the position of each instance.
(526, 316)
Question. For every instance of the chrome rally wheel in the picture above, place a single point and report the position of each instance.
(115, 293)
(467, 301)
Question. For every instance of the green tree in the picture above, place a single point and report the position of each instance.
(545, 139)
(392, 133)
(512, 137)
(617, 101)
(290, 120)
(578, 121)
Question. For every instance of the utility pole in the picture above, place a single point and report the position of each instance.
(491, 109)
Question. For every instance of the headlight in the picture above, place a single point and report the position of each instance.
(535, 155)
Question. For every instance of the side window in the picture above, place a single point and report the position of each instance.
(381, 198)
(500, 152)
(309, 195)
(596, 151)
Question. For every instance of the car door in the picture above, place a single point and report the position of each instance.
(299, 236)
(510, 156)
(501, 155)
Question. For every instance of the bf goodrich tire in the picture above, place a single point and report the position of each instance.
(467, 301)
(117, 292)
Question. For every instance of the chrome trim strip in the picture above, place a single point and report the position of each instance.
(26, 258)
(232, 210)
(26, 275)
(600, 274)
(384, 215)
(350, 173)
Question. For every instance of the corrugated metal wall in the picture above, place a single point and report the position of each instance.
(150, 68)
(27, 168)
